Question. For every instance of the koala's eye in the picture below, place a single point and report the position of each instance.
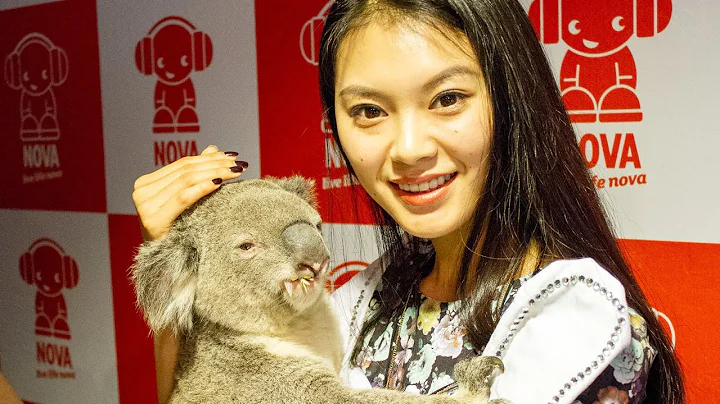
(184, 61)
(26, 76)
(44, 74)
(160, 63)
(246, 246)
(319, 226)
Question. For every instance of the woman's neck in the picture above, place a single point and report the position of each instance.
(442, 282)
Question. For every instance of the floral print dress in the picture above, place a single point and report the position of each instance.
(419, 355)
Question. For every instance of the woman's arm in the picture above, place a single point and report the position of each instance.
(7, 394)
(160, 197)
(167, 345)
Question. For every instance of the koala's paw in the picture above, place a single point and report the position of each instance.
(477, 374)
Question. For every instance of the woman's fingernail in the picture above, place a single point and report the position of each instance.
(217, 181)
(231, 153)
(240, 163)
(237, 169)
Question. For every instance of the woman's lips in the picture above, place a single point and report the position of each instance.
(423, 198)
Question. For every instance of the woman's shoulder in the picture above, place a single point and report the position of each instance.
(565, 326)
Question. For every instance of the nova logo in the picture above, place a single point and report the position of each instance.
(171, 51)
(46, 267)
(35, 67)
(598, 77)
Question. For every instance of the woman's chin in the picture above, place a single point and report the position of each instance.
(426, 227)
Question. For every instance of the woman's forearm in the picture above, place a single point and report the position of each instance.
(167, 344)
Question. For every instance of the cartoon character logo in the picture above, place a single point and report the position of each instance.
(311, 33)
(35, 67)
(598, 77)
(47, 267)
(172, 50)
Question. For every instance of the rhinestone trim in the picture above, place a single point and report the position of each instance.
(545, 293)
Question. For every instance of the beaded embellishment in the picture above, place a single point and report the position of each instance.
(604, 353)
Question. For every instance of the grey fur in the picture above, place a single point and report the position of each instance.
(245, 338)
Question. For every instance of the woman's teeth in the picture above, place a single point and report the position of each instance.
(427, 185)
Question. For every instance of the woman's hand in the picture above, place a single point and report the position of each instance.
(164, 194)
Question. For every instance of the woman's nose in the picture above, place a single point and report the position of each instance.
(412, 142)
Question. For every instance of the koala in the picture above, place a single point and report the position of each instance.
(241, 277)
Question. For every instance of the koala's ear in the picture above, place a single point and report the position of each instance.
(301, 186)
(165, 277)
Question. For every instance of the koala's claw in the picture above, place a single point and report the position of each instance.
(477, 374)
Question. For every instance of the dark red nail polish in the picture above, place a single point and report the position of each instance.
(231, 153)
(240, 163)
(217, 181)
(237, 169)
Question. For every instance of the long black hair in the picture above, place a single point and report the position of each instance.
(538, 192)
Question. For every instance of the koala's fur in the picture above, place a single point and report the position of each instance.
(245, 338)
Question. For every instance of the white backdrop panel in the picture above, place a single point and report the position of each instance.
(84, 238)
(677, 139)
(225, 91)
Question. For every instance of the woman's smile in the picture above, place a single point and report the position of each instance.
(423, 191)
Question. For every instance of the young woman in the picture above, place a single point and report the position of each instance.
(449, 116)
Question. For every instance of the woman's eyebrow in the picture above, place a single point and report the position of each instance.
(447, 74)
(363, 92)
(366, 92)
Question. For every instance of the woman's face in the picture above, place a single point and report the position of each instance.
(414, 119)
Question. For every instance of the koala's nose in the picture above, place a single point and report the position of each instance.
(306, 246)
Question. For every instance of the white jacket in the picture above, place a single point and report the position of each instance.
(563, 328)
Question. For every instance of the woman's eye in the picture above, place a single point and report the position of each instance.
(366, 115)
(367, 112)
(246, 246)
(447, 100)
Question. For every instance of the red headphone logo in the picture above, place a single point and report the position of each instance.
(172, 50)
(598, 76)
(311, 33)
(46, 266)
(35, 67)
